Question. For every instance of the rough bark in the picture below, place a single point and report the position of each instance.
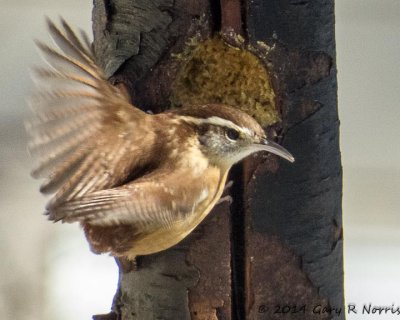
(294, 211)
(280, 243)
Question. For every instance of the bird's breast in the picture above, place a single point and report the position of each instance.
(202, 194)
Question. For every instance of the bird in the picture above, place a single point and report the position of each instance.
(137, 183)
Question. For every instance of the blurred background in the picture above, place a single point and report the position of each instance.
(36, 256)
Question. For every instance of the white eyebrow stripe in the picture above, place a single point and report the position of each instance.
(217, 121)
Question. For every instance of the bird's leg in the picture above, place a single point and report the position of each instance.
(226, 198)
(228, 185)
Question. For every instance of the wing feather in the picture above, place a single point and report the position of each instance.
(53, 75)
(144, 205)
(82, 127)
(61, 173)
(69, 45)
(71, 36)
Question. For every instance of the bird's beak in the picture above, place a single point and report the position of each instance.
(270, 146)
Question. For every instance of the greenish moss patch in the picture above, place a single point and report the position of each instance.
(215, 72)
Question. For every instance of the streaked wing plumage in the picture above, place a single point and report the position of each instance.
(145, 205)
(82, 126)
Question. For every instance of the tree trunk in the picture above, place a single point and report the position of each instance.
(276, 252)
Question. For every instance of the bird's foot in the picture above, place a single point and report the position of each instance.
(228, 185)
(228, 199)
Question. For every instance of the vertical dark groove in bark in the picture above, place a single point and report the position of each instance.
(215, 6)
(238, 244)
(243, 14)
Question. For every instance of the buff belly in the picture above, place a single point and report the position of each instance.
(164, 238)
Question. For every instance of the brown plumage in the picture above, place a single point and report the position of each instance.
(138, 183)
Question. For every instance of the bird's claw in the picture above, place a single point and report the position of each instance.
(228, 185)
(228, 199)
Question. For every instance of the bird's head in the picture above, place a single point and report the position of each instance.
(227, 135)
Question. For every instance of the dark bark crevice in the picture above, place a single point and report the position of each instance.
(238, 245)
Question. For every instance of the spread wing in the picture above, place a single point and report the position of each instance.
(83, 128)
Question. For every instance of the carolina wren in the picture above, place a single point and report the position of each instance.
(138, 183)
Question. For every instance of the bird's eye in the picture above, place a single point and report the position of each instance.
(232, 134)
